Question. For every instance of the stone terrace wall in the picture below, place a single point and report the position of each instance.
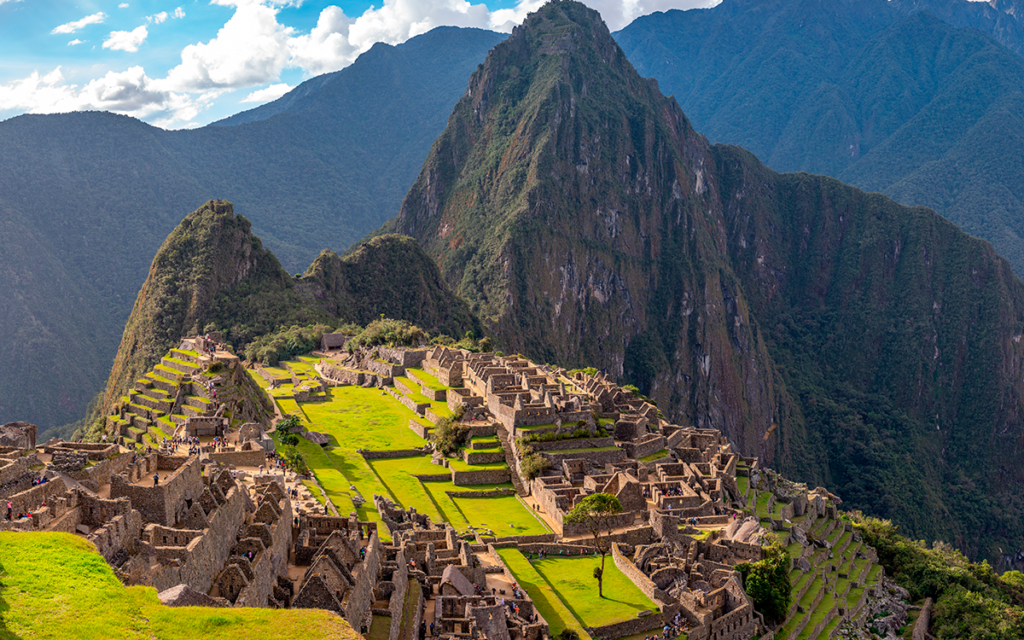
(100, 473)
(485, 476)
(573, 443)
(240, 458)
(637, 577)
(118, 535)
(394, 453)
(621, 520)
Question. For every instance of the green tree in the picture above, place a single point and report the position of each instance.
(286, 424)
(448, 435)
(767, 583)
(597, 512)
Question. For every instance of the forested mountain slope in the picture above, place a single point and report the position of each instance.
(87, 198)
(904, 104)
(846, 339)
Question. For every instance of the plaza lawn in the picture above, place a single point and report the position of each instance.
(505, 515)
(55, 585)
(550, 607)
(573, 581)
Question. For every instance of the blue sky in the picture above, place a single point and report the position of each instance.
(185, 63)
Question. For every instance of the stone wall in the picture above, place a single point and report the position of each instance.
(592, 457)
(485, 476)
(572, 443)
(30, 499)
(164, 503)
(637, 577)
(118, 537)
(205, 556)
(360, 598)
(621, 520)
(272, 561)
(923, 621)
(100, 473)
(475, 457)
(396, 606)
(240, 458)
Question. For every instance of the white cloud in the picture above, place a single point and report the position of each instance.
(3, 1)
(253, 48)
(71, 27)
(273, 92)
(123, 5)
(250, 49)
(126, 40)
(74, 42)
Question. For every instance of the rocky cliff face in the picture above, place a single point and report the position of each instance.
(840, 336)
(213, 273)
(572, 204)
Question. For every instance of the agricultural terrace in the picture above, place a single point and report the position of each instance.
(357, 418)
(42, 569)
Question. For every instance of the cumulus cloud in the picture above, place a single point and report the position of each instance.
(273, 92)
(74, 42)
(250, 49)
(253, 48)
(126, 40)
(77, 25)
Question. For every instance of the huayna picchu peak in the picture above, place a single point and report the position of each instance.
(598, 379)
(586, 223)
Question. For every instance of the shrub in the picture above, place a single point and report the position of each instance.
(449, 435)
(290, 439)
(534, 464)
(393, 333)
(767, 582)
(286, 424)
(294, 460)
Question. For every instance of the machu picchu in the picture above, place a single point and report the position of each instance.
(616, 383)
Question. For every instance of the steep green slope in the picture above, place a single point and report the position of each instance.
(87, 198)
(997, 18)
(844, 338)
(212, 273)
(902, 104)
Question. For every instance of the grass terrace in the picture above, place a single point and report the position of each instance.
(425, 379)
(55, 585)
(573, 581)
(657, 455)
(547, 602)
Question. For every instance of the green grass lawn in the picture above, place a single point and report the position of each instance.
(550, 607)
(573, 581)
(506, 515)
(762, 504)
(425, 379)
(55, 585)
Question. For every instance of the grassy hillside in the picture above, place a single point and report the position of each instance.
(56, 585)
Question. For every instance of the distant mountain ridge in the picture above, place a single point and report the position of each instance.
(87, 198)
(857, 89)
(842, 337)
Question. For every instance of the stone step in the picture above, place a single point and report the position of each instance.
(177, 418)
(198, 402)
(163, 406)
(193, 412)
(178, 365)
(168, 373)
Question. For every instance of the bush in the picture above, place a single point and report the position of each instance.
(534, 464)
(767, 583)
(294, 460)
(284, 344)
(290, 439)
(287, 423)
(392, 333)
(449, 435)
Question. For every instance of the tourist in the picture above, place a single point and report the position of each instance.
(156, 479)
(9, 508)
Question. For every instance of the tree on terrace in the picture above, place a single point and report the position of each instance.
(597, 513)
